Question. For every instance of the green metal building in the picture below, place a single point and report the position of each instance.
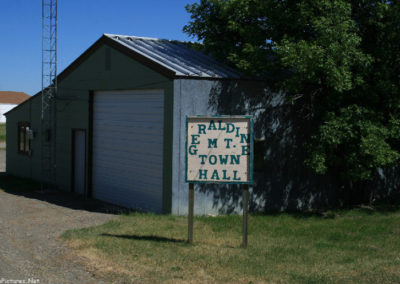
(120, 123)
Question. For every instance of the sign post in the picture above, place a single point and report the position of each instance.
(219, 149)
(245, 211)
(190, 215)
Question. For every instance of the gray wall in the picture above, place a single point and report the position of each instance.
(200, 97)
(282, 182)
(190, 98)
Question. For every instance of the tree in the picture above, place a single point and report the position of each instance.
(341, 59)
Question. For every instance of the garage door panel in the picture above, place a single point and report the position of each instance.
(145, 201)
(112, 181)
(121, 118)
(128, 148)
(143, 96)
(141, 148)
(127, 108)
(137, 129)
(125, 158)
(125, 115)
(146, 185)
(128, 153)
(139, 167)
(117, 190)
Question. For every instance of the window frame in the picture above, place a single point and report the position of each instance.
(23, 126)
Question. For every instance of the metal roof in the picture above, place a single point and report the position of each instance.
(177, 57)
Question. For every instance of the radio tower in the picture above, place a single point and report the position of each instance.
(49, 91)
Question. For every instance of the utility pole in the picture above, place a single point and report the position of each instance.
(49, 92)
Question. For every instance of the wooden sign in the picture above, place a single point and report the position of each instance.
(219, 149)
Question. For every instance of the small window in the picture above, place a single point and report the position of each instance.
(24, 144)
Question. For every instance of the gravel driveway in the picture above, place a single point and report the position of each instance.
(29, 226)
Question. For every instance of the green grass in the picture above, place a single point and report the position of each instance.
(2, 132)
(356, 246)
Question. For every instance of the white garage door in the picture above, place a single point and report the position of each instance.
(128, 148)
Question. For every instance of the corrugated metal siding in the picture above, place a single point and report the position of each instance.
(128, 148)
(191, 98)
(16, 163)
(177, 57)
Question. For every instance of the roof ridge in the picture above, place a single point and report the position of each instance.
(148, 38)
(136, 37)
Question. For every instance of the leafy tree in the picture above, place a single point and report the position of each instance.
(339, 58)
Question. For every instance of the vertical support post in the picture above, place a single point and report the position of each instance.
(190, 215)
(245, 213)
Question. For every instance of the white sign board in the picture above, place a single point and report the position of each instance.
(219, 149)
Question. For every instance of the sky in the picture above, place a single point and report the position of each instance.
(80, 24)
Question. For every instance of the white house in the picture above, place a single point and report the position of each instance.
(9, 100)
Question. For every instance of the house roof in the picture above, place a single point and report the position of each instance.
(15, 98)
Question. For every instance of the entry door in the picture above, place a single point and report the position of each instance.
(79, 156)
(128, 148)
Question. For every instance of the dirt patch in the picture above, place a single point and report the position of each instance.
(30, 224)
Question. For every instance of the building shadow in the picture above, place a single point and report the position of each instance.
(145, 238)
(31, 189)
(282, 131)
